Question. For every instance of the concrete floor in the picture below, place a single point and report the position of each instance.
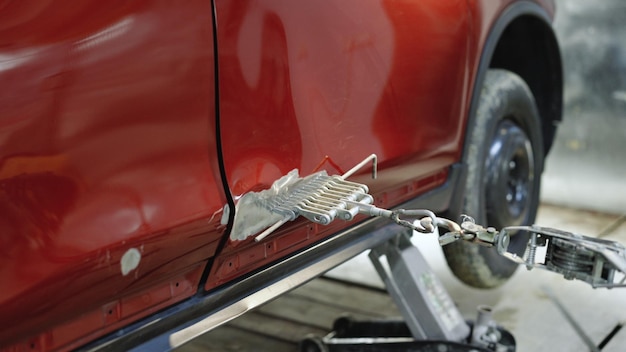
(523, 304)
(587, 165)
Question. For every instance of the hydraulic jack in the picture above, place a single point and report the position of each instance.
(430, 320)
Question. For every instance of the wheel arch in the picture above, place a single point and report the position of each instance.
(522, 41)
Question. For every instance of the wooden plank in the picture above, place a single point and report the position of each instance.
(276, 328)
(228, 338)
(281, 324)
(349, 296)
(301, 310)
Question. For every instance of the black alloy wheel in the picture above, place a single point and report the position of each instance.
(505, 158)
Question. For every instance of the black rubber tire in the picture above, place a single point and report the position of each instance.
(505, 158)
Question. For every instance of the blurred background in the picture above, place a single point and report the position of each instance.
(587, 165)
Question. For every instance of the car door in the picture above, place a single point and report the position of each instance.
(320, 85)
(110, 195)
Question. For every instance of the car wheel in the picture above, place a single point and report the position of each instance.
(505, 161)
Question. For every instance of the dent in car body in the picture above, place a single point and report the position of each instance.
(301, 82)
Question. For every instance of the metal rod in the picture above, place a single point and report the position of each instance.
(373, 158)
(269, 230)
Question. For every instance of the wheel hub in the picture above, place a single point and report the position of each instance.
(510, 177)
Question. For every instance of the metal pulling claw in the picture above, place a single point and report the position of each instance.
(472, 232)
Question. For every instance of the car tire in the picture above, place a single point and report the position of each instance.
(505, 158)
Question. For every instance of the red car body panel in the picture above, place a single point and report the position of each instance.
(295, 93)
(108, 143)
(109, 147)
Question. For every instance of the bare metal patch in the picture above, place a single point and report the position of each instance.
(252, 213)
(130, 260)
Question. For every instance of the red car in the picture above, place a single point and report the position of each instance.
(129, 130)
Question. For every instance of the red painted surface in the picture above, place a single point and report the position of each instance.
(108, 141)
(301, 80)
(106, 144)
(113, 315)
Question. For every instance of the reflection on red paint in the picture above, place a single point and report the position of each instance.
(107, 143)
(304, 82)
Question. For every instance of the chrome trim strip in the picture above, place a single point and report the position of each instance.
(181, 323)
(278, 288)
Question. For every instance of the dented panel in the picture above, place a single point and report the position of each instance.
(106, 144)
(317, 86)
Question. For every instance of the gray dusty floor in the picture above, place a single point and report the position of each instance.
(586, 167)
(523, 304)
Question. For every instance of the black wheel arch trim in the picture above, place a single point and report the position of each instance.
(510, 14)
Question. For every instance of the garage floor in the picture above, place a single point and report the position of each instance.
(528, 305)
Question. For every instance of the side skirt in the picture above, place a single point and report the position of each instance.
(179, 324)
